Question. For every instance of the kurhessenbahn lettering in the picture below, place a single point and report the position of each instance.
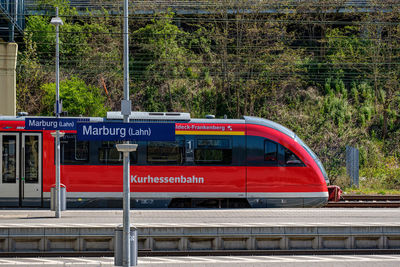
(167, 180)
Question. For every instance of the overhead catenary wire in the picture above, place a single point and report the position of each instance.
(216, 18)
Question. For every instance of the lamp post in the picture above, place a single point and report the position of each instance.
(57, 21)
(126, 107)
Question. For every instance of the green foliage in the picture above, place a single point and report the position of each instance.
(42, 34)
(87, 50)
(364, 102)
(346, 52)
(29, 71)
(369, 191)
(160, 42)
(335, 105)
(385, 175)
(73, 41)
(334, 84)
(162, 61)
(64, 8)
(77, 97)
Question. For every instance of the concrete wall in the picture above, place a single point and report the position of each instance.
(8, 62)
(84, 239)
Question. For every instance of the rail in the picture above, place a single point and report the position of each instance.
(371, 197)
(366, 201)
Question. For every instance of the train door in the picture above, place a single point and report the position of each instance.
(31, 165)
(9, 166)
(21, 169)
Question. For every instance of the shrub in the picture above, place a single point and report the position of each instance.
(77, 97)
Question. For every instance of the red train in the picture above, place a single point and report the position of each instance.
(249, 162)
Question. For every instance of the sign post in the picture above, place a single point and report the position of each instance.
(126, 148)
(54, 124)
(112, 131)
(126, 108)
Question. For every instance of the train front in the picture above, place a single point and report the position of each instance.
(282, 171)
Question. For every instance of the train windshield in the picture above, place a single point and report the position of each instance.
(298, 140)
(314, 156)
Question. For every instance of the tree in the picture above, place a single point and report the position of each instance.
(77, 98)
(88, 50)
(381, 29)
(163, 67)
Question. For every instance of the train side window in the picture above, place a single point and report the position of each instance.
(73, 151)
(108, 154)
(213, 152)
(270, 152)
(291, 159)
(166, 153)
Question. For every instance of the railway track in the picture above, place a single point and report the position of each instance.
(366, 201)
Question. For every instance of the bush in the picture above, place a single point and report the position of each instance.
(77, 97)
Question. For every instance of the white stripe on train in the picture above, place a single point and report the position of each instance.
(158, 195)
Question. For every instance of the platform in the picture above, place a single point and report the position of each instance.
(207, 217)
(202, 230)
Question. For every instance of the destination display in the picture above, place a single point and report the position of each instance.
(63, 124)
(210, 129)
(109, 131)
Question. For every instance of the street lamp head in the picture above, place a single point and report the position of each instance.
(57, 21)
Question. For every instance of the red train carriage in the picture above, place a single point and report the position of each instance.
(212, 163)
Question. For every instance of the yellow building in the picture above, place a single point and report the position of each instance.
(8, 62)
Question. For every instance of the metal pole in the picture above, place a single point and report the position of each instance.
(126, 55)
(58, 202)
(126, 220)
(126, 195)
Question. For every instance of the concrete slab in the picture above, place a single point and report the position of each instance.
(205, 218)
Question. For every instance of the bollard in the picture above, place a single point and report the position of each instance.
(118, 246)
(63, 197)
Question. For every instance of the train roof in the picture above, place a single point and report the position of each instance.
(175, 117)
(22, 118)
(269, 124)
(157, 116)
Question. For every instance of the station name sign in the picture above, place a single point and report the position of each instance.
(110, 131)
(63, 124)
